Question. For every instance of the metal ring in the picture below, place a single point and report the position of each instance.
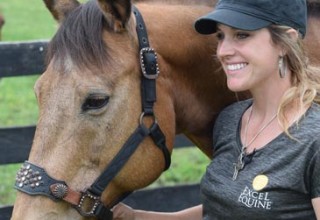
(143, 114)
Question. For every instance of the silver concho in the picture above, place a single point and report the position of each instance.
(59, 191)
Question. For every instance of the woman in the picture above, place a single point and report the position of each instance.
(266, 162)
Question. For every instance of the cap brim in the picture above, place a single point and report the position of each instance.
(208, 23)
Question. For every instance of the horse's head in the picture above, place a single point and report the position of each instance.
(90, 104)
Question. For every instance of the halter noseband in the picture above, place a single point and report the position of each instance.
(34, 180)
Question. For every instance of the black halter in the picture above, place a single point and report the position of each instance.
(34, 180)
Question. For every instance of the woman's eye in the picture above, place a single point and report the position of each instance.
(220, 36)
(241, 35)
(95, 102)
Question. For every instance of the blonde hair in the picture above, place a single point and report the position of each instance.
(305, 78)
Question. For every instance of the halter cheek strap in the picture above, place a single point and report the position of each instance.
(34, 180)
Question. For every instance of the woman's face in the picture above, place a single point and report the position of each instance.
(249, 58)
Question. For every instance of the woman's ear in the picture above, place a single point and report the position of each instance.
(293, 34)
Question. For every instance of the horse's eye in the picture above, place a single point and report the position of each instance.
(95, 102)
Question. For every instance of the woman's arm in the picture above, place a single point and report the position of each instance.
(316, 206)
(124, 212)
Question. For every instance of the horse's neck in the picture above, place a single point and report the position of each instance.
(184, 2)
(198, 90)
(312, 39)
(199, 95)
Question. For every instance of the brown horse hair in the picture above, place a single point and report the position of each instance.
(179, 2)
(2, 21)
(79, 37)
(313, 7)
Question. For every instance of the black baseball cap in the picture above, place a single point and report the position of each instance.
(252, 15)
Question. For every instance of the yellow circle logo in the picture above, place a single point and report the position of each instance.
(259, 182)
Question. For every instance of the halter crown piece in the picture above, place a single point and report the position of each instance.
(34, 180)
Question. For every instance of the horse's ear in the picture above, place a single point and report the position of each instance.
(116, 13)
(61, 8)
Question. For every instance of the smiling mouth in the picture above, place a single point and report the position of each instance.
(238, 66)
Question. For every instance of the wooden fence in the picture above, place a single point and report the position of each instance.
(27, 58)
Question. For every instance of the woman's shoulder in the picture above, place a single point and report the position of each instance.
(313, 114)
(310, 123)
(315, 107)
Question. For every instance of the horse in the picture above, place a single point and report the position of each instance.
(119, 74)
(2, 21)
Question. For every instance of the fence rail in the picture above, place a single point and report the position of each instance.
(27, 58)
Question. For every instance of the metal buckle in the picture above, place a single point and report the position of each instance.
(94, 200)
(143, 66)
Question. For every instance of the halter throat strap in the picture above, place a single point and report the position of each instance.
(34, 180)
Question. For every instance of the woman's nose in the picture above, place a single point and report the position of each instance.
(225, 48)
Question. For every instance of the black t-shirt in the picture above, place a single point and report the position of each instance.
(278, 183)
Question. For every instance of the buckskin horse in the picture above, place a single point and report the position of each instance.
(122, 80)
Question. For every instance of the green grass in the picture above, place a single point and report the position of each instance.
(30, 20)
(22, 22)
(26, 20)
(17, 101)
(7, 178)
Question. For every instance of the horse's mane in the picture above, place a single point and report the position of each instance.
(80, 37)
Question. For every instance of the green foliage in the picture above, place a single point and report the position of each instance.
(188, 166)
(30, 20)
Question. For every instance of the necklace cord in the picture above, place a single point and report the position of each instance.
(243, 157)
(245, 144)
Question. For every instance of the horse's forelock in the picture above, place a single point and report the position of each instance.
(79, 38)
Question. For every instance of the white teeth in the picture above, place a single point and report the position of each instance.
(236, 66)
